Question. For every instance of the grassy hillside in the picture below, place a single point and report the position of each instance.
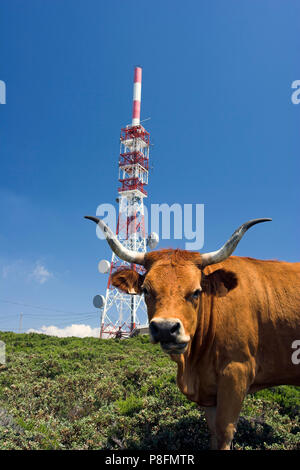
(71, 393)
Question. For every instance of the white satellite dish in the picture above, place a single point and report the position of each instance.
(152, 240)
(98, 301)
(104, 266)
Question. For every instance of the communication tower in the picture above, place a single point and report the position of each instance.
(121, 312)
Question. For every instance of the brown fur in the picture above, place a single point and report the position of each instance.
(241, 328)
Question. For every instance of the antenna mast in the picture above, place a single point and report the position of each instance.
(123, 312)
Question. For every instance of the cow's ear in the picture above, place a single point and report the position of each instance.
(128, 281)
(219, 283)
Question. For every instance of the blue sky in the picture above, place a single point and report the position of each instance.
(217, 85)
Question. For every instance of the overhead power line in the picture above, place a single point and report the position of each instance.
(46, 308)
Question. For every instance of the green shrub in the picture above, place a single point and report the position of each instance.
(73, 393)
(130, 405)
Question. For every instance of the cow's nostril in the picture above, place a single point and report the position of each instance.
(153, 328)
(175, 328)
(165, 330)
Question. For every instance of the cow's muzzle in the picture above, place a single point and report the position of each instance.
(170, 334)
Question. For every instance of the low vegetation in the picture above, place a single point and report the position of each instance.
(72, 393)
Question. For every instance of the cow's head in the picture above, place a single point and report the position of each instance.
(173, 284)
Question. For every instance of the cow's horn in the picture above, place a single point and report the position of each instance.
(220, 255)
(117, 247)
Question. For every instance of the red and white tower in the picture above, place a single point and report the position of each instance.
(123, 312)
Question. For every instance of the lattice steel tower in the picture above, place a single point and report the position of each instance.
(123, 312)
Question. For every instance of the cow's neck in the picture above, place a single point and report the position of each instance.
(189, 365)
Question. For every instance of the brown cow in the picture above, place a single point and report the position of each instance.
(230, 327)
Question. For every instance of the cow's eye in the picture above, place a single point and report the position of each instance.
(196, 294)
(145, 291)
